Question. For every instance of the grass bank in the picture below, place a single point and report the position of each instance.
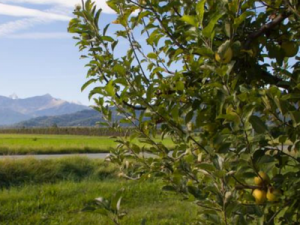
(13, 144)
(33, 171)
(56, 191)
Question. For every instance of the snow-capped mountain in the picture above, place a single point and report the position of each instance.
(14, 109)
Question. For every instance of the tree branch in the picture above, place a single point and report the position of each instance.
(280, 18)
(273, 79)
(269, 6)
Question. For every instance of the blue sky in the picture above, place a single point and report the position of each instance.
(37, 55)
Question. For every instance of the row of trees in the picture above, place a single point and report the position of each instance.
(88, 131)
(222, 79)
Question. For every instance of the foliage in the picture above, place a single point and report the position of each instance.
(110, 208)
(220, 78)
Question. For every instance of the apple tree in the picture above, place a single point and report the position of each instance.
(220, 80)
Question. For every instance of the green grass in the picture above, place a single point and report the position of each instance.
(62, 203)
(11, 144)
(46, 199)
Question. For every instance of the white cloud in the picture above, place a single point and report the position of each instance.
(34, 17)
(19, 25)
(38, 35)
(19, 11)
(60, 10)
(67, 3)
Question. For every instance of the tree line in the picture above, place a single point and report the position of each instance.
(89, 131)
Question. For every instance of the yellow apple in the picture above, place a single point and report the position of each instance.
(226, 57)
(273, 194)
(263, 178)
(290, 48)
(259, 195)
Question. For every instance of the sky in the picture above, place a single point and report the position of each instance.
(37, 55)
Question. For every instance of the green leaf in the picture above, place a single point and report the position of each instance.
(192, 20)
(295, 96)
(102, 211)
(265, 159)
(242, 17)
(257, 155)
(295, 115)
(204, 51)
(88, 5)
(208, 30)
(114, 44)
(154, 37)
(180, 86)
(282, 105)
(206, 166)
(228, 29)
(224, 148)
(119, 203)
(152, 55)
(223, 48)
(189, 116)
(258, 125)
(88, 16)
(116, 200)
(109, 88)
(218, 162)
(200, 11)
(96, 90)
(96, 19)
(105, 29)
(119, 69)
(88, 83)
(107, 38)
(113, 6)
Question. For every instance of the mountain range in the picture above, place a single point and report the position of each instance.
(84, 118)
(14, 110)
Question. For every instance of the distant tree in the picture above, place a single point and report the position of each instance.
(54, 125)
(221, 79)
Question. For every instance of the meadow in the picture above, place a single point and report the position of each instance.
(12, 144)
(57, 192)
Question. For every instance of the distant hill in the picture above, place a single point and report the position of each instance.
(85, 118)
(14, 110)
(8, 116)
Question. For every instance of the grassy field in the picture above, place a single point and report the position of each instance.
(11, 144)
(56, 191)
